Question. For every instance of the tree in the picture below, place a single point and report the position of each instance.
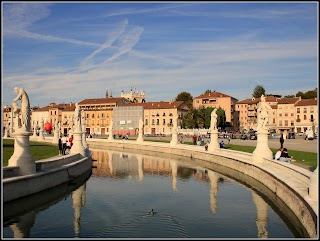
(289, 96)
(208, 91)
(221, 120)
(185, 96)
(258, 91)
(309, 94)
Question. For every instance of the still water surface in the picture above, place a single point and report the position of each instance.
(116, 201)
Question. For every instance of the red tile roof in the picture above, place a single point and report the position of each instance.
(288, 100)
(257, 100)
(306, 102)
(212, 94)
(63, 106)
(159, 105)
(101, 101)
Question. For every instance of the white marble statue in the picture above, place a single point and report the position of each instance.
(15, 116)
(56, 124)
(141, 125)
(25, 108)
(71, 123)
(214, 117)
(263, 113)
(78, 118)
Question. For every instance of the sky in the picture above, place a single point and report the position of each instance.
(70, 51)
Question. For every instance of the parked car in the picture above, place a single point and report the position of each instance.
(301, 133)
(291, 135)
(253, 136)
(275, 136)
(244, 137)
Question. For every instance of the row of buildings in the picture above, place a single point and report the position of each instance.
(287, 115)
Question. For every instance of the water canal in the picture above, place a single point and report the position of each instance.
(189, 199)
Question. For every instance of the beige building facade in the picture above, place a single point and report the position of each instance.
(99, 113)
(216, 100)
(158, 117)
(306, 115)
(247, 110)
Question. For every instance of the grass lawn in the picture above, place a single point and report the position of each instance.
(38, 150)
(307, 160)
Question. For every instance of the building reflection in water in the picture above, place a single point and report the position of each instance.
(79, 201)
(21, 229)
(262, 215)
(134, 166)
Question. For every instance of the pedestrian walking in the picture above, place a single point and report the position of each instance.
(281, 141)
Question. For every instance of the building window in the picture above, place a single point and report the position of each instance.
(102, 115)
(285, 123)
(311, 118)
(280, 114)
(304, 117)
(280, 123)
(158, 121)
(92, 115)
(298, 110)
(87, 115)
(304, 110)
(146, 122)
(164, 114)
(292, 114)
(152, 121)
(164, 121)
(285, 114)
(292, 123)
(311, 110)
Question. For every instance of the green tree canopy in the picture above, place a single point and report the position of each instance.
(185, 96)
(208, 91)
(308, 94)
(258, 91)
(201, 118)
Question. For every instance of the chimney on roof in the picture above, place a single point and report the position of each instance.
(111, 94)
(107, 95)
(70, 103)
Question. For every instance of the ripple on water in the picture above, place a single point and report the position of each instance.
(145, 226)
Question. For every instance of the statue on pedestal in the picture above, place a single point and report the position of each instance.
(25, 108)
(263, 113)
(214, 117)
(78, 118)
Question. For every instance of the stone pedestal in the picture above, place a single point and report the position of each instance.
(140, 137)
(262, 149)
(77, 146)
(41, 137)
(55, 139)
(21, 156)
(110, 137)
(314, 185)
(214, 143)
(174, 139)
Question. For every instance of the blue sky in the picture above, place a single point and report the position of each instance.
(70, 51)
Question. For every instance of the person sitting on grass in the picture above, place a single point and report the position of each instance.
(221, 144)
(284, 155)
(278, 154)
